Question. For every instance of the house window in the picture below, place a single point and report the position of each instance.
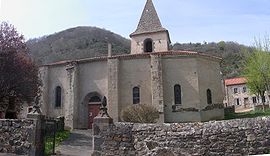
(148, 45)
(263, 99)
(237, 102)
(245, 101)
(58, 96)
(177, 94)
(136, 95)
(235, 90)
(254, 99)
(244, 89)
(209, 96)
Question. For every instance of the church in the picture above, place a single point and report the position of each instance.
(184, 86)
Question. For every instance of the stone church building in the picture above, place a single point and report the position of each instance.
(184, 86)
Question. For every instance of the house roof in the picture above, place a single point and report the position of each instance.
(235, 81)
(135, 56)
(149, 21)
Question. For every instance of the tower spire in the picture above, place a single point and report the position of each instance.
(149, 21)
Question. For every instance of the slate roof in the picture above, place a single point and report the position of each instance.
(149, 21)
(235, 81)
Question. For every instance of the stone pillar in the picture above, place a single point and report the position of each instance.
(38, 138)
(109, 50)
(71, 108)
(101, 125)
(44, 76)
(113, 88)
(157, 85)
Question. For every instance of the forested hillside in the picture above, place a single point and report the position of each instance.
(75, 43)
(84, 42)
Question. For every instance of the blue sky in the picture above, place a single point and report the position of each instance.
(186, 20)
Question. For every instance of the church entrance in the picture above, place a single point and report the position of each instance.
(88, 110)
(93, 109)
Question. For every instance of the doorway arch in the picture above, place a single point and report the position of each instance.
(91, 105)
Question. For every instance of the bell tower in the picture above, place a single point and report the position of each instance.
(149, 36)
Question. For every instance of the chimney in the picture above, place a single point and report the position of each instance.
(109, 49)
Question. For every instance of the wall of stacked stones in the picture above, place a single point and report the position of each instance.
(232, 137)
(16, 136)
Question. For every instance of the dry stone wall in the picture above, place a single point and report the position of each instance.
(16, 136)
(232, 137)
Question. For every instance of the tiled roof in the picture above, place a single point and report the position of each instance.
(149, 21)
(235, 81)
(135, 56)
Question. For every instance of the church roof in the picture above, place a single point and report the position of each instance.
(134, 56)
(149, 21)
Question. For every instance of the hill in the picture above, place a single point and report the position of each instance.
(85, 42)
(76, 43)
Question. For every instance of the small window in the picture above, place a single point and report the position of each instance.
(235, 90)
(136, 95)
(263, 99)
(244, 89)
(254, 99)
(30, 109)
(58, 96)
(245, 101)
(237, 102)
(148, 45)
(209, 96)
(177, 94)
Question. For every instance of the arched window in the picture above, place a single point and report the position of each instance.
(177, 94)
(136, 95)
(58, 96)
(209, 96)
(95, 99)
(148, 45)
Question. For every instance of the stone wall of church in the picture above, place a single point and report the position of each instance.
(210, 78)
(57, 76)
(160, 42)
(180, 70)
(232, 137)
(92, 79)
(134, 73)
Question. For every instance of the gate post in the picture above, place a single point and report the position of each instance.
(101, 123)
(38, 138)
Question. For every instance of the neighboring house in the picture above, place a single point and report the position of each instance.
(183, 85)
(238, 95)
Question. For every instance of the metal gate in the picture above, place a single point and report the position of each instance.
(50, 132)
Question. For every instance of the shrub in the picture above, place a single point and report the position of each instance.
(140, 113)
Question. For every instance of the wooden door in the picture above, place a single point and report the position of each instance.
(93, 110)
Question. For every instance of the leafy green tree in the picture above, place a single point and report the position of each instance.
(257, 70)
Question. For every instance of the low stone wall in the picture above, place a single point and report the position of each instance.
(232, 137)
(16, 135)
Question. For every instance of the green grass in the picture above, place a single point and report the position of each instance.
(60, 136)
(251, 114)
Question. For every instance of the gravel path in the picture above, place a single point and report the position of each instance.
(78, 144)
